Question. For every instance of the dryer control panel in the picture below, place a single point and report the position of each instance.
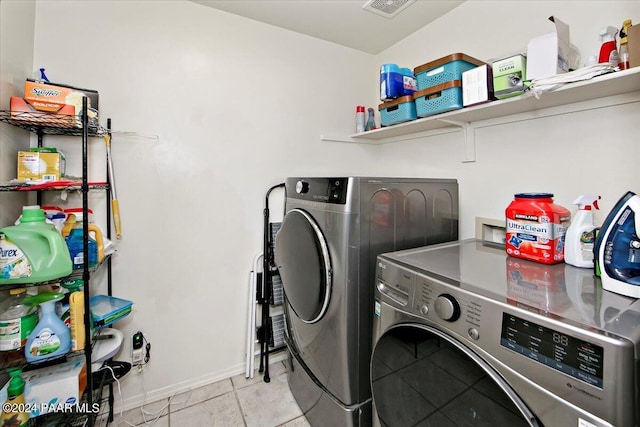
(323, 190)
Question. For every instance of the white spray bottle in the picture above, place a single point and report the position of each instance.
(580, 237)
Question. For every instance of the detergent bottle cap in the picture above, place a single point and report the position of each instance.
(608, 33)
(585, 202)
(32, 214)
(16, 385)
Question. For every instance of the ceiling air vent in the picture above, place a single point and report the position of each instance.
(387, 8)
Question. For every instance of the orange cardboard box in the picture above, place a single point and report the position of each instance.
(54, 98)
(25, 113)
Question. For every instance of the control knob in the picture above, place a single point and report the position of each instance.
(447, 308)
(302, 187)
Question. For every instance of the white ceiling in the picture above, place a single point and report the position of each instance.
(339, 21)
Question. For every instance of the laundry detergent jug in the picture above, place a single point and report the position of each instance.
(32, 251)
(73, 232)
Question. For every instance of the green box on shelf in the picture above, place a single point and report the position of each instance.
(509, 75)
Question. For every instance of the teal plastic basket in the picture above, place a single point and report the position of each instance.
(444, 70)
(439, 99)
(397, 111)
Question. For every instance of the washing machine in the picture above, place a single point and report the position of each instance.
(467, 336)
(325, 251)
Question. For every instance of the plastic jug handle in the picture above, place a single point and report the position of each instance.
(99, 240)
(68, 225)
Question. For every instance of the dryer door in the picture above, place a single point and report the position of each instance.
(421, 375)
(302, 256)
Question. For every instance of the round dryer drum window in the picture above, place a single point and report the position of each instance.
(422, 377)
(302, 257)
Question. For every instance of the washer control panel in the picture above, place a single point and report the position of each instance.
(430, 299)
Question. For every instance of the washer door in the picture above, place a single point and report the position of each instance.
(422, 376)
(302, 256)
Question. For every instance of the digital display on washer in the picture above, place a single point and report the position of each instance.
(580, 359)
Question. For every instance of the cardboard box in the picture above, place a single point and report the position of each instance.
(54, 388)
(53, 97)
(477, 85)
(41, 164)
(509, 75)
(24, 113)
(548, 55)
(633, 42)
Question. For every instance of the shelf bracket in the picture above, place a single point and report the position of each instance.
(468, 139)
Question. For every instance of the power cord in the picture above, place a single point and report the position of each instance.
(147, 350)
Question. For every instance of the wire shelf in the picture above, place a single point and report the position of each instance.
(50, 124)
(84, 417)
(29, 187)
(16, 358)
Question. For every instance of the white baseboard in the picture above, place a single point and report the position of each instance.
(192, 384)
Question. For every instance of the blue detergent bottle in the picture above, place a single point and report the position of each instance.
(73, 233)
(50, 338)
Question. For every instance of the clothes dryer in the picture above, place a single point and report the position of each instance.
(466, 335)
(326, 250)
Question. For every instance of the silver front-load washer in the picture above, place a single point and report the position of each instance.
(467, 336)
(326, 250)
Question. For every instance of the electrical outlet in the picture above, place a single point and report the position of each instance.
(137, 353)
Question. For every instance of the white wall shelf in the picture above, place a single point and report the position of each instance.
(622, 87)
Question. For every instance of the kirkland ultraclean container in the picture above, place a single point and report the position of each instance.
(536, 227)
(444, 70)
(397, 111)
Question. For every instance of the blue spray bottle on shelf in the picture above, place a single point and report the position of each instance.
(371, 122)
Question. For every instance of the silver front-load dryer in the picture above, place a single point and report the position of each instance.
(325, 251)
(468, 336)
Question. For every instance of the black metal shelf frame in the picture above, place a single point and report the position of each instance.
(55, 124)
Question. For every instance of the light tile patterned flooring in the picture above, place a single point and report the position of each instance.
(236, 401)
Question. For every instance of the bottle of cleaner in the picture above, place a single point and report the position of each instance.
(360, 119)
(581, 235)
(76, 320)
(371, 122)
(17, 320)
(15, 400)
(32, 251)
(51, 337)
(623, 51)
(608, 50)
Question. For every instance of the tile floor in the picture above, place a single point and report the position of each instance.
(236, 401)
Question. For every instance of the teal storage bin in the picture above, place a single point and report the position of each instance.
(444, 69)
(397, 111)
(439, 99)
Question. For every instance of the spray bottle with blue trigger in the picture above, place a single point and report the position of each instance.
(581, 236)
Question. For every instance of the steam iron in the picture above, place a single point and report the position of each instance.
(618, 247)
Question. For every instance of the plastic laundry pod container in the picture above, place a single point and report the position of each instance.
(536, 228)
